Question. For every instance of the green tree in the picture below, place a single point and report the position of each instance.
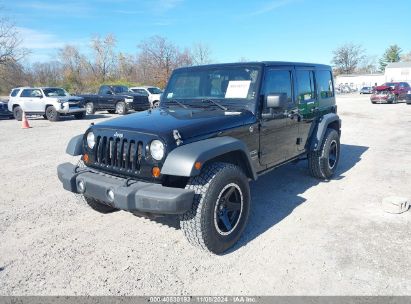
(392, 54)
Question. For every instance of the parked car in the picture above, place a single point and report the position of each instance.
(383, 94)
(4, 111)
(399, 89)
(366, 90)
(115, 99)
(408, 98)
(218, 127)
(153, 94)
(49, 102)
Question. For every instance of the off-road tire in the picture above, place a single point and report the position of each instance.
(17, 113)
(156, 104)
(319, 161)
(52, 114)
(90, 108)
(121, 108)
(98, 206)
(111, 111)
(80, 115)
(199, 224)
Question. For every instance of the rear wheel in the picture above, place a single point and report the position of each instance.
(323, 163)
(52, 114)
(98, 206)
(121, 108)
(90, 108)
(17, 113)
(220, 209)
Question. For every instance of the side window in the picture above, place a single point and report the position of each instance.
(278, 82)
(305, 85)
(104, 90)
(36, 93)
(14, 92)
(26, 93)
(325, 84)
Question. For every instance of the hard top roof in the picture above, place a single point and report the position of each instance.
(261, 63)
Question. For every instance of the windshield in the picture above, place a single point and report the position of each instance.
(231, 86)
(120, 89)
(51, 92)
(154, 90)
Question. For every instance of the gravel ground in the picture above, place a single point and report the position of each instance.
(304, 237)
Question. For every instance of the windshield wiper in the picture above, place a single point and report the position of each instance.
(178, 102)
(216, 103)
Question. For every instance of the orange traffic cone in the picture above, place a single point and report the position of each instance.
(25, 122)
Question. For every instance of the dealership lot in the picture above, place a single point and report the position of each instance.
(304, 236)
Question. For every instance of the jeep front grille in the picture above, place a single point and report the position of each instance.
(118, 154)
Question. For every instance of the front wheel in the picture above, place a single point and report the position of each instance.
(17, 113)
(156, 104)
(323, 163)
(220, 209)
(52, 114)
(90, 108)
(121, 108)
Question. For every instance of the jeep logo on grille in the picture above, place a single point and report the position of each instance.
(119, 135)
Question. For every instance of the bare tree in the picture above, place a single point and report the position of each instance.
(201, 54)
(104, 56)
(347, 57)
(406, 57)
(74, 67)
(47, 73)
(10, 43)
(158, 57)
(368, 65)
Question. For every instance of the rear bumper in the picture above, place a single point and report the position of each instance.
(130, 196)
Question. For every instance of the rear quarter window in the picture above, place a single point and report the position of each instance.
(325, 84)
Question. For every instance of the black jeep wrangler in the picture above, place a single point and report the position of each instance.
(217, 127)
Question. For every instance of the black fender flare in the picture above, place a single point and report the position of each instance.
(75, 146)
(322, 125)
(181, 160)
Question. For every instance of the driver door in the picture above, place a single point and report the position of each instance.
(277, 137)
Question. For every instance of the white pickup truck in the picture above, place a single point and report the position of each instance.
(49, 102)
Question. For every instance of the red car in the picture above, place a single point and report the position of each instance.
(383, 94)
(400, 89)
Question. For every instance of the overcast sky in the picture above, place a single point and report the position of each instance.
(291, 30)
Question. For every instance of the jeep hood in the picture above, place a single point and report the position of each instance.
(190, 123)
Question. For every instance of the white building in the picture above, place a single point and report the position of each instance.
(359, 80)
(398, 71)
(394, 72)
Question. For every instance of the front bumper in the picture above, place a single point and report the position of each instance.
(128, 195)
(138, 106)
(68, 109)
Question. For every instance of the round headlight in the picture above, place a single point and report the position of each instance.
(90, 140)
(157, 149)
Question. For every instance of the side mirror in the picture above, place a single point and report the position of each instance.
(275, 101)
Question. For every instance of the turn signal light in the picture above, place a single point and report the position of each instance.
(155, 171)
(85, 158)
(197, 165)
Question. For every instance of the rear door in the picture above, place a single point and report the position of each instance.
(308, 103)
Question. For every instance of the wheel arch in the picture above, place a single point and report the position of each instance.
(181, 160)
(330, 120)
